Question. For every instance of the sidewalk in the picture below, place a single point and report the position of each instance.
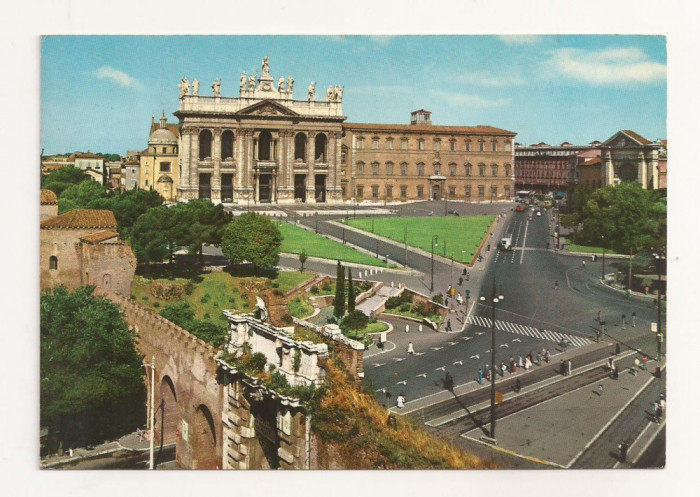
(557, 431)
(131, 442)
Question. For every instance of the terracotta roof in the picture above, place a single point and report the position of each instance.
(99, 236)
(174, 128)
(87, 155)
(637, 137)
(48, 197)
(591, 162)
(81, 218)
(483, 130)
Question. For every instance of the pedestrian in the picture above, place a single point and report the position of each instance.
(610, 364)
(528, 364)
(479, 376)
(658, 413)
(644, 362)
(487, 372)
(449, 382)
(547, 356)
(623, 451)
(449, 325)
(410, 348)
(617, 349)
(520, 361)
(400, 399)
(407, 329)
(568, 367)
(420, 328)
(464, 272)
(562, 367)
(461, 280)
(517, 385)
(600, 389)
(539, 359)
(503, 368)
(634, 320)
(556, 285)
(583, 264)
(624, 316)
(637, 364)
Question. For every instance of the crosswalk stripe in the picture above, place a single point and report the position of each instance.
(530, 331)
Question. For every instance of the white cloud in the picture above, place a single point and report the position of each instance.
(469, 100)
(115, 76)
(520, 39)
(485, 79)
(610, 66)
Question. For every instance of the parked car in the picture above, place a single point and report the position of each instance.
(520, 208)
(453, 212)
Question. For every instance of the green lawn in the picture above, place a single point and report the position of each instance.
(291, 279)
(586, 249)
(296, 239)
(455, 234)
(435, 318)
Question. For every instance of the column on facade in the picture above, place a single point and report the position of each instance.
(654, 165)
(289, 159)
(238, 153)
(247, 160)
(310, 175)
(185, 149)
(216, 177)
(643, 170)
(194, 164)
(608, 168)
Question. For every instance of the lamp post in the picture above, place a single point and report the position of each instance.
(659, 333)
(151, 410)
(602, 276)
(433, 241)
(495, 298)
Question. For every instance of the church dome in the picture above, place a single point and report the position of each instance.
(162, 136)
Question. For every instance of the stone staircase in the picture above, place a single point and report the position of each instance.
(383, 294)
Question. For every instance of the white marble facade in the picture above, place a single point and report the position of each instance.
(262, 146)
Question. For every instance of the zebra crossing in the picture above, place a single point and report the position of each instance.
(530, 331)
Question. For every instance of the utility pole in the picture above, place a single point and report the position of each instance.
(659, 335)
(377, 248)
(405, 245)
(433, 241)
(495, 298)
(153, 417)
(602, 277)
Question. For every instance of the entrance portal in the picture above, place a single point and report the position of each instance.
(300, 187)
(320, 185)
(205, 185)
(265, 188)
(227, 187)
(436, 192)
(166, 413)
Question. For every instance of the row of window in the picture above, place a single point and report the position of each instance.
(420, 191)
(420, 169)
(534, 165)
(541, 174)
(437, 145)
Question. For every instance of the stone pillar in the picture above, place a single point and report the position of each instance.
(238, 156)
(608, 168)
(216, 176)
(654, 165)
(194, 165)
(642, 170)
(185, 150)
(310, 175)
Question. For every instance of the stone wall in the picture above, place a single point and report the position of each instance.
(109, 266)
(64, 244)
(48, 210)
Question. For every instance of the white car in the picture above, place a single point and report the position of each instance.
(539, 213)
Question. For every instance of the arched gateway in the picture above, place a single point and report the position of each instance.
(262, 146)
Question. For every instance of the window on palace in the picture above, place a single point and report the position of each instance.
(53, 262)
(205, 138)
(320, 148)
(389, 191)
(507, 169)
(421, 170)
(421, 145)
(146, 183)
(468, 191)
(227, 145)
(508, 147)
(164, 167)
(507, 189)
(482, 170)
(468, 170)
(375, 191)
(343, 154)
(404, 189)
(494, 146)
(453, 145)
(375, 169)
(494, 191)
(437, 170)
(375, 143)
(436, 146)
(494, 170)
(451, 192)
(481, 191)
(360, 191)
(468, 146)
(390, 143)
(360, 143)
(389, 169)
(453, 169)
(404, 144)
(300, 147)
(164, 150)
(482, 146)
(404, 169)
(419, 191)
(360, 168)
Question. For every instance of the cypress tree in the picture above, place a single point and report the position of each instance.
(339, 304)
(351, 292)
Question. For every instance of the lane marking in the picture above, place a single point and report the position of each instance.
(522, 252)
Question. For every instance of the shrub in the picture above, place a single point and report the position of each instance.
(419, 308)
(405, 307)
(393, 302)
(437, 298)
(287, 318)
(207, 316)
(356, 320)
(327, 287)
(254, 363)
(275, 284)
(232, 300)
(277, 292)
(145, 298)
(297, 360)
(156, 305)
(315, 290)
(205, 298)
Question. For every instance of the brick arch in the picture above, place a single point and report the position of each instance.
(204, 437)
(167, 413)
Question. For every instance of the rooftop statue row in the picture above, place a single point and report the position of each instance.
(184, 87)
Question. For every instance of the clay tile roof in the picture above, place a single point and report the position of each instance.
(81, 218)
(99, 236)
(637, 137)
(48, 197)
(591, 162)
(484, 130)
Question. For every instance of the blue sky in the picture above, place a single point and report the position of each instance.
(99, 92)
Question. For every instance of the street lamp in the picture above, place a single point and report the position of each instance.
(151, 411)
(659, 334)
(602, 277)
(433, 242)
(495, 298)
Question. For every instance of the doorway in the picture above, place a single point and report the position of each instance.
(436, 192)
(265, 188)
(205, 185)
(300, 187)
(320, 186)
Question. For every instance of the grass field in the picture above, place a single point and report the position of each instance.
(457, 236)
(587, 249)
(296, 239)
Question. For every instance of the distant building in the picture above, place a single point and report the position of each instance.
(82, 247)
(113, 174)
(88, 161)
(130, 175)
(544, 168)
(422, 161)
(49, 204)
(159, 163)
(52, 163)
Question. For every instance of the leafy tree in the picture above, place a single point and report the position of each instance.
(205, 224)
(437, 298)
(60, 179)
(92, 385)
(581, 195)
(351, 292)
(252, 238)
(182, 315)
(302, 259)
(339, 301)
(570, 221)
(85, 195)
(127, 206)
(157, 234)
(355, 320)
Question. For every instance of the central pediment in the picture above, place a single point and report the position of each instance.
(267, 108)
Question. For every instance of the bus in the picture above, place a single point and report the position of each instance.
(525, 196)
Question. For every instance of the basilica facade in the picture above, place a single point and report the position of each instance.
(262, 146)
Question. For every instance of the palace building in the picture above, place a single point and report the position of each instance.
(422, 161)
(262, 146)
(158, 168)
